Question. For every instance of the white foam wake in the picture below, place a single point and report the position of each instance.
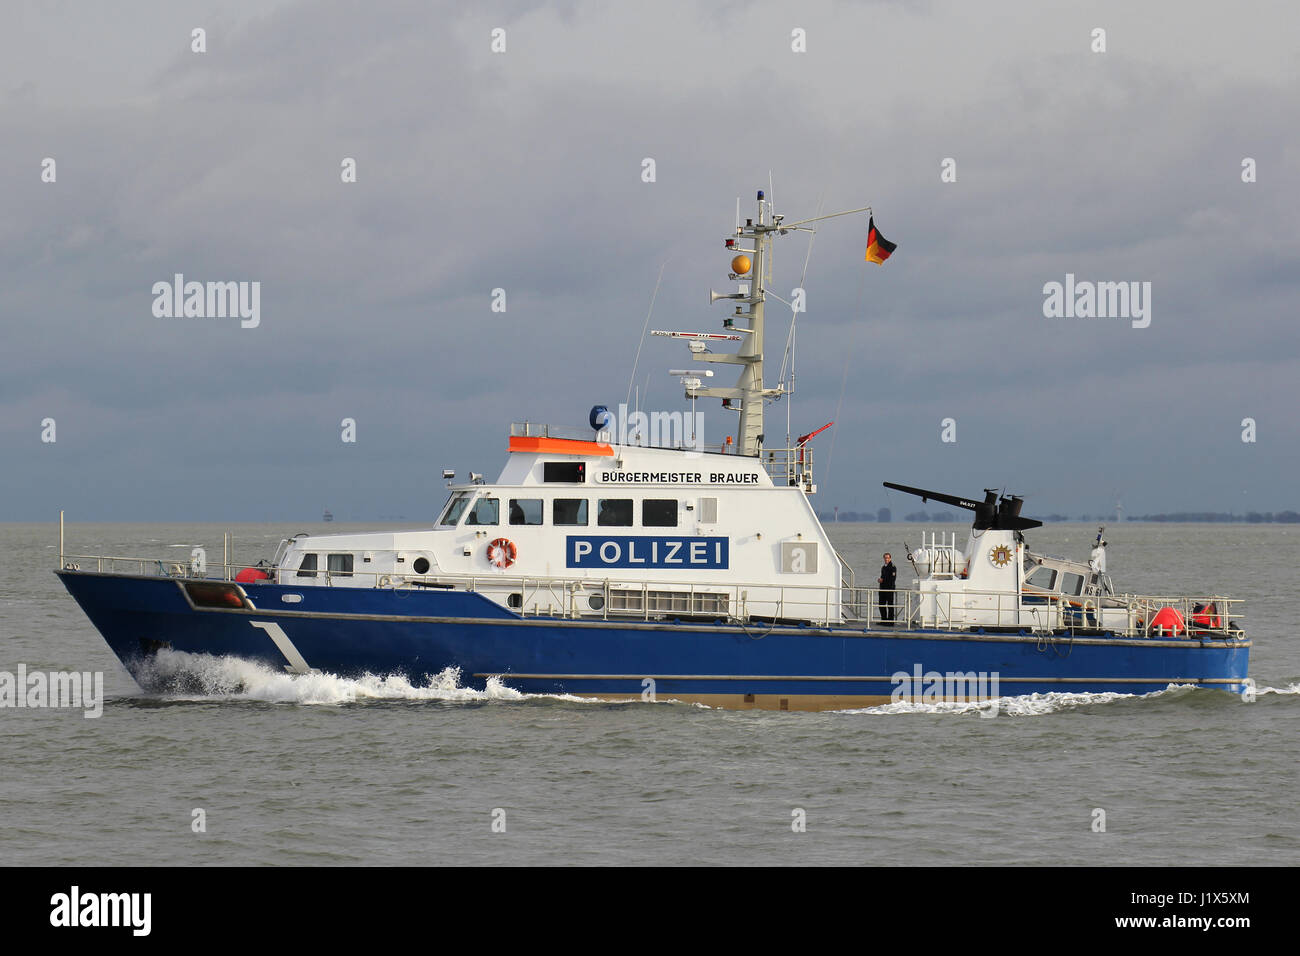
(184, 676)
(1027, 705)
(179, 675)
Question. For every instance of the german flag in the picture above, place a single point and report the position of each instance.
(878, 247)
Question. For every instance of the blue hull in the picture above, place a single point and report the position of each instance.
(350, 631)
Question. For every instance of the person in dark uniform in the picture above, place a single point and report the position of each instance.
(888, 575)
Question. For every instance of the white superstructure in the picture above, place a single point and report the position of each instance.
(699, 531)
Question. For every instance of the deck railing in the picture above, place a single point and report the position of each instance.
(1127, 615)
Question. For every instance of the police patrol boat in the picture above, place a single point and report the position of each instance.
(599, 565)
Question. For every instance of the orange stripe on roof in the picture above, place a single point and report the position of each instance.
(560, 446)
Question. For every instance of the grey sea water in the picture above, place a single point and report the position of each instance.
(326, 770)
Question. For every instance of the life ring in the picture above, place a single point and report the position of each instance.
(501, 553)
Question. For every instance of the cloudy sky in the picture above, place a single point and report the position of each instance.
(522, 170)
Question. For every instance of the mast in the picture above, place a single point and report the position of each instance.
(749, 390)
(753, 275)
(752, 393)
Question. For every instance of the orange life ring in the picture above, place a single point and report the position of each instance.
(501, 553)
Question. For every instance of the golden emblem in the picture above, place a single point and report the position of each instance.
(1000, 556)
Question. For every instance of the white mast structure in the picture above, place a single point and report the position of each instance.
(749, 390)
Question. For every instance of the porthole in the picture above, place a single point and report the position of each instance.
(596, 602)
(421, 566)
(515, 600)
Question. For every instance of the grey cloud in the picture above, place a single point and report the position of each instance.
(522, 171)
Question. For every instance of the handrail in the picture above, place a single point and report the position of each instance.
(792, 465)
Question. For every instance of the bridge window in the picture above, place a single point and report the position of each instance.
(574, 471)
(525, 510)
(308, 567)
(341, 565)
(1071, 583)
(614, 512)
(659, 512)
(569, 511)
(455, 507)
(486, 511)
(1043, 578)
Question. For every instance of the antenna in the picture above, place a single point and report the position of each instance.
(632, 377)
(789, 357)
(698, 335)
(752, 274)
